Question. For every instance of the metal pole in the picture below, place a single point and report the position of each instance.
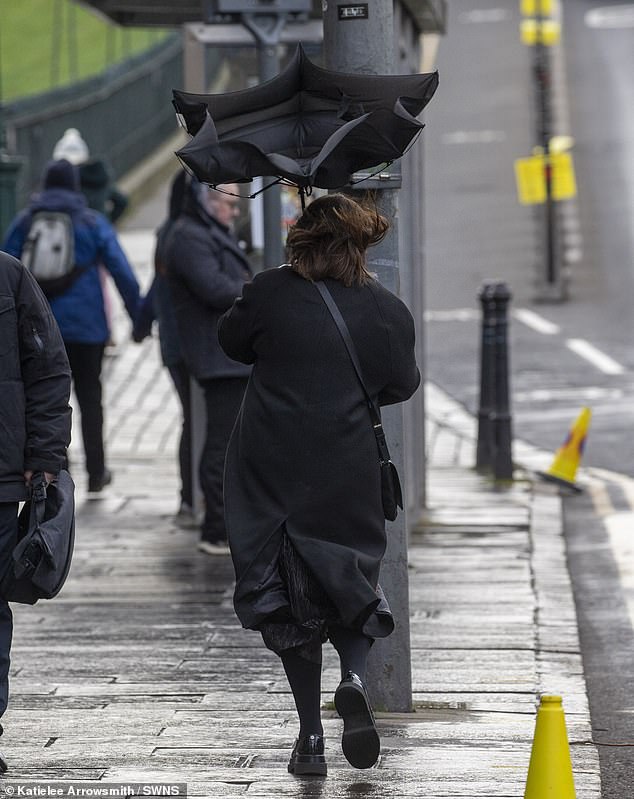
(9, 169)
(551, 283)
(365, 44)
(267, 29)
(194, 76)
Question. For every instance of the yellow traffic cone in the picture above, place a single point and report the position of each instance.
(550, 768)
(568, 456)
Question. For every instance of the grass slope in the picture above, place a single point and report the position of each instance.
(49, 43)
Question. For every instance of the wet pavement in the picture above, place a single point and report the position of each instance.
(139, 671)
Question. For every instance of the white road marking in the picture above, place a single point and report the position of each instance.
(570, 223)
(611, 17)
(626, 483)
(594, 356)
(484, 15)
(586, 395)
(474, 137)
(573, 238)
(600, 497)
(573, 256)
(452, 315)
(619, 527)
(536, 322)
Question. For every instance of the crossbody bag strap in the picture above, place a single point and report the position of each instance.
(375, 414)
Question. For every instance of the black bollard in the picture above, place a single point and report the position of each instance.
(485, 446)
(502, 457)
(494, 445)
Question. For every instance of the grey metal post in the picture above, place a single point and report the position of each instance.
(551, 285)
(365, 44)
(194, 76)
(267, 30)
(193, 60)
(9, 169)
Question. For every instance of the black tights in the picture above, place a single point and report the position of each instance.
(304, 676)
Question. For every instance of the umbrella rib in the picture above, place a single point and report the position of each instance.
(268, 186)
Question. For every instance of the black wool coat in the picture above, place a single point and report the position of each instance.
(206, 270)
(35, 417)
(303, 455)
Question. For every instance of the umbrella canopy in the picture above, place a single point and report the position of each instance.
(309, 126)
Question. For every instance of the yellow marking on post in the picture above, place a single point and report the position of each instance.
(546, 32)
(530, 177)
(531, 8)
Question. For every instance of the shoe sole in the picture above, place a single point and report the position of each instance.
(360, 741)
(309, 764)
(212, 550)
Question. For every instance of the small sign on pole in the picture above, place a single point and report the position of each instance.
(530, 175)
(564, 184)
(530, 179)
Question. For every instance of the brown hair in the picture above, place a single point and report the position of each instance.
(331, 237)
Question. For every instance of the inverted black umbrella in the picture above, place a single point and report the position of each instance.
(308, 126)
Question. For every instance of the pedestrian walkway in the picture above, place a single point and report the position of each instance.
(139, 672)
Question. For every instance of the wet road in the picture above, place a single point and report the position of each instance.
(563, 356)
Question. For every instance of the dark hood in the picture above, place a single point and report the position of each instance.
(94, 175)
(70, 202)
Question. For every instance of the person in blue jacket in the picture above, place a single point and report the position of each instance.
(79, 310)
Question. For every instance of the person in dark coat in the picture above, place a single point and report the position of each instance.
(79, 310)
(35, 418)
(206, 271)
(302, 484)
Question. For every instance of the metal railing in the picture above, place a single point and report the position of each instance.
(123, 114)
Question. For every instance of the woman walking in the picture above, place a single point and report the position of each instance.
(303, 505)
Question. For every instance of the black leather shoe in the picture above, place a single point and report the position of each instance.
(97, 482)
(360, 741)
(308, 756)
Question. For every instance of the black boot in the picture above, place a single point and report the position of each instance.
(308, 756)
(360, 741)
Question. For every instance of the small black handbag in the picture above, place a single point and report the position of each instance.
(39, 564)
(391, 492)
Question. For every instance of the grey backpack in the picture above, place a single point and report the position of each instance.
(49, 251)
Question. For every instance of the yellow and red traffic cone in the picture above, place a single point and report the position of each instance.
(567, 458)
